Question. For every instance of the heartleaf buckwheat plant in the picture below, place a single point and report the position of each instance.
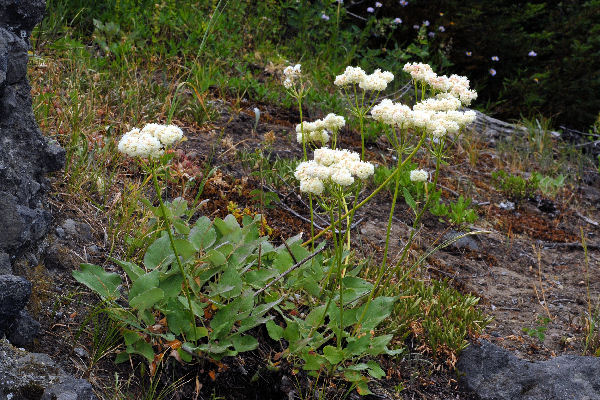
(330, 177)
(201, 287)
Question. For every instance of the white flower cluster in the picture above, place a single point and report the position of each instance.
(317, 131)
(392, 113)
(419, 175)
(439, 115)
(456, 85)
(150, 141)
(337, 166)
(291, 74)
(377, 81)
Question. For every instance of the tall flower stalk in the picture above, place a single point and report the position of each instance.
(150, 144)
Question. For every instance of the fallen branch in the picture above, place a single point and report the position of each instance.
(293, 267)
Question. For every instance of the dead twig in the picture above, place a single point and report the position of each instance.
(293, 267)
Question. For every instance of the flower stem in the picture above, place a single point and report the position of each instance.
(167, 221)
(377, 190)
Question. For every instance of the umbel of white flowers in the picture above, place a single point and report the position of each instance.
(331, 166)
(438, 115)
(377, 81)
(150, 142)
(318, 131)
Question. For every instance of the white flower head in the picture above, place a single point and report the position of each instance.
(419, 175)
(168, 134)
(419, 72)
(291, 75)
(140, 144)
(352, 75)
(311, 185)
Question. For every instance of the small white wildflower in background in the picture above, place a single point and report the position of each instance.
(397, 21)
(426, 23)
(418, 175)
(370, 10)
(403, 3)
(416, 26)
(532, 54)
(468, 53)
(495, 58)
(441, 28)
(492, 72)
(325, 17)
(378, 4)
(291, 75)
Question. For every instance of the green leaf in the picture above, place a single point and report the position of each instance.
(216, 258)
(147, 299)
(144, 283)
(198, 333)
(409, 199)
(177, 207)
(379, 309)
(181, 227)
(352, 376)
(144, 349)
(312, 361)
(275, 331)
(333, 355)
(171, 285)
(185, 356)
(363, 389)
(96, 278)
(375, 370)
(121, 357)
(202, 235)
(159, 253)
(244, 343)
(132, 270)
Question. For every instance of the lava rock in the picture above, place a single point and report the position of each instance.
(25, 154)
(464, 243)
(5, 266)
(23, 330)
(14, 293)
(494, 373)
(28, 376)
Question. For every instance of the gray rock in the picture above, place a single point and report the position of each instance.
(14, 293)
(465, 243)
(25, 154)
(494, 373)
(23, 330)
(28, 376)
(5, 265)
(70, 227)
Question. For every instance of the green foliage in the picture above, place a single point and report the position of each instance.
(539, 331)
(549, 186)
(446, 316)
(514, 186)
(221, 259)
